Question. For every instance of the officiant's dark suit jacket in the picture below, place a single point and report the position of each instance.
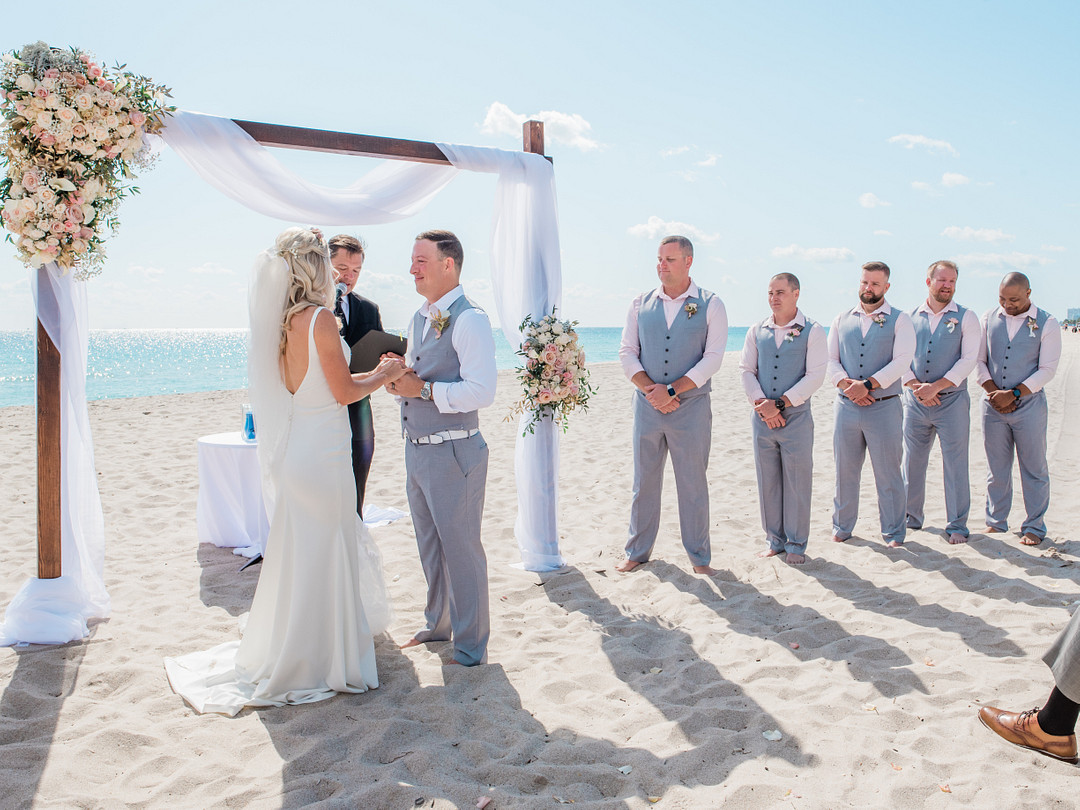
(363, 317)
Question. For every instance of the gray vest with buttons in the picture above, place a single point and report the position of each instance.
(434, 360)
(780, 367)
(667, 354)
(1010, 362)
(936, 352)
(862, 357)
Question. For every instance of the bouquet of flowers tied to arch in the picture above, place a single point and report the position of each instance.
(554, 380)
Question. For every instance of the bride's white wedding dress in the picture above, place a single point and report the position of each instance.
(321, 595)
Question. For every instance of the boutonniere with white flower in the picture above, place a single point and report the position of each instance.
(951, 324)
(793, 333)
(1032, 326)
(690, 309)
(879, 319)
(439, 322)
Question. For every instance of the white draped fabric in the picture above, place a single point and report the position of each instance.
(56, 611)
(526, 265)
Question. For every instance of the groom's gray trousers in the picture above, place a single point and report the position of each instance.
(1063, 658)
(686, 434)
(784, 458)
(950, 421)
(877, 429)
(445, 484)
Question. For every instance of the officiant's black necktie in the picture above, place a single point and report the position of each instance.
(340, 313)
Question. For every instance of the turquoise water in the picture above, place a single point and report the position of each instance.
(144, 362)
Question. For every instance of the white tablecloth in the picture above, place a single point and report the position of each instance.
(230, 511)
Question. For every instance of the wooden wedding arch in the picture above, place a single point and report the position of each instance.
(48, 356)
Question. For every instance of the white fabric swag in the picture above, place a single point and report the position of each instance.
(526, 265)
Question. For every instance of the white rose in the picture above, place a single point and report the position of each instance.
(26, 82)
(43, 120)
(67, 115)
(111, 121)
(83, 101)
(85, 148)
(17, 190)
(557, 328)
(52, 101)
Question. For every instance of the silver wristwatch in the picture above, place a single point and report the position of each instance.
(425, 392)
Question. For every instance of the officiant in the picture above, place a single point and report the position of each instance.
(357, 316)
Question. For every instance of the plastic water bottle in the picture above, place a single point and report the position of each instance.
(249, 424)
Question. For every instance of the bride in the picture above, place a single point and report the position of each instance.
(321, 597)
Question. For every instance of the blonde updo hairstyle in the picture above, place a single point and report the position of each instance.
(311, 279)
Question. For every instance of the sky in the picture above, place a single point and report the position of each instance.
(780, 137)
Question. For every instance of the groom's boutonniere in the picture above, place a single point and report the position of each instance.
(439, 322)
(1032, 326)
(691, 309)
(793, 333)
(879, 319)
(951, 324)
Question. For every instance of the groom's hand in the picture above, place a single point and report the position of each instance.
(407, 385)
(658, 396)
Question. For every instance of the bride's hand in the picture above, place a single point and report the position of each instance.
(391, 369)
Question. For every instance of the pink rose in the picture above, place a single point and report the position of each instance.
(79, 130)
(138, 118)
(30, 181)
(575, 389)
(73, 214)
(93, 71)
(567, 378)
(47, 139)
(52, 73)
(85, 233)
(80, 80)
(41, 93)
(57, 228)
(545, 396)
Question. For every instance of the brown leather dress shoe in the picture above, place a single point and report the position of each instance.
(1023, 729)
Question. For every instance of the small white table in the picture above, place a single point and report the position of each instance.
(230, 511)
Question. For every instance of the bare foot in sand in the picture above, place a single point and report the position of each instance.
(991, 530)
(894, 544)
(838, 539)
(708, 570)
(1028, 539)
(794, 559)
(412, 642)
(956, 539)
(768, 553)
(626, 566)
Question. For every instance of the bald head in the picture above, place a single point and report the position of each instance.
(1014, 295)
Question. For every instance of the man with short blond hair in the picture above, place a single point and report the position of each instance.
(672, 345)
(936, 401)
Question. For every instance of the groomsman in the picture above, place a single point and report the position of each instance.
(1018, 355)
(452, 359)
(672, 345)
(357, 316)
(936, 400)
(783, 363)
(870, 347)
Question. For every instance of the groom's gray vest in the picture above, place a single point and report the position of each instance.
(936, 352)
(667, 354)
(434, 360)
(1010, 362)
(862, 357)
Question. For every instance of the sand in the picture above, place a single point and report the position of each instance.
(604, 690)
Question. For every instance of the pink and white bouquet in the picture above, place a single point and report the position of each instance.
(72, 135)
(554, 379)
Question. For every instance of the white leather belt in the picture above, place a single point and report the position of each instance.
(445, 436)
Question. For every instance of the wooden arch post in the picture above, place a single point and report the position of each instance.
(48, 356)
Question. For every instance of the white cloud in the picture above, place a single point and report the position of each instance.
(211, 269)
(882, 233)
(656, 228)
(686, 174)
(1014, 259)
(921, 186)
(146, 272)
(828, 254)
(871, 200)
(730, 281)
(950, 179)
(931, 144)
(977, 234)
(675, 150)
(559, 127)
(1054, 248)
(709, 161)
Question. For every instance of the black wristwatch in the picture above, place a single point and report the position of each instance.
(869, 385)
(779, 403)
(1016, 392)
(671, 391)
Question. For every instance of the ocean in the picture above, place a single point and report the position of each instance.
(145, 362)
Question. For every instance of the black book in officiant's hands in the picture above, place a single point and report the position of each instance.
(373, 345)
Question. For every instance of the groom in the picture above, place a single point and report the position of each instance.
(452, 375)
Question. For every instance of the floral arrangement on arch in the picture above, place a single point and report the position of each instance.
(554, 380)
(72, 135)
